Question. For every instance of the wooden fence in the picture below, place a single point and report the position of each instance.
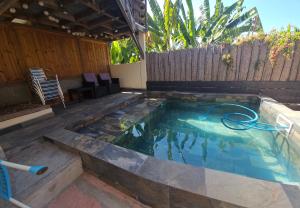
(63, 54)
(250, 62)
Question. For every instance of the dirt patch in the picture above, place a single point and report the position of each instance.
(16, 108)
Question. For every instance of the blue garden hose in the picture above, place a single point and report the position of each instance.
(5, 186)
(245, 121)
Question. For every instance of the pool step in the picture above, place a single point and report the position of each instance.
(90, 192)
(37, 191)
(92, 113)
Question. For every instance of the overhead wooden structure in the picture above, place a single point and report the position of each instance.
(105, 20)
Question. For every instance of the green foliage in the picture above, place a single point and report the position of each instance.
(124, 51)
(279, 41)
(176, 28)
(161, 26)
(227, 59)
(282, 41)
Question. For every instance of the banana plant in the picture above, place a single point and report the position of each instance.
(185, 31)
(161, 26)
(223, 26)
(175, 27)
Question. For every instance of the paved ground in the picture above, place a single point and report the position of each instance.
(75, 114)
(20, 146)
(88, 191)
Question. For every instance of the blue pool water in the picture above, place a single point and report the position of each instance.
(177, 132)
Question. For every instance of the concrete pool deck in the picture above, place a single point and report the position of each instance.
(142, 176)
(183, 186)
(27, 146)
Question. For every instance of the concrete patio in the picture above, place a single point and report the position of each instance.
(27, 146)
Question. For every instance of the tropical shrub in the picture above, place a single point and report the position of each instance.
(279, 41)
(124, 51)
(227, 59)
(174, 27)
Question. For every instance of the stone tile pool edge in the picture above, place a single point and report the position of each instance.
(145, 178)
(183, 186)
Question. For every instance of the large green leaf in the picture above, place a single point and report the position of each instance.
(175, 26)
(157, 13)
(206, 9)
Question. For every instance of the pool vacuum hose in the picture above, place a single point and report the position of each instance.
(245, 121)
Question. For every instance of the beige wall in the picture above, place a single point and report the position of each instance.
(131, 75)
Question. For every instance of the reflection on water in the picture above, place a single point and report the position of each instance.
(175, 132)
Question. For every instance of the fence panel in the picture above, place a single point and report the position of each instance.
(249, 62)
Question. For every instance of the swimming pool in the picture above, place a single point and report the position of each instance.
(175, 131)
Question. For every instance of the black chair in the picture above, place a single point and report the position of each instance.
(112, 84)
(90, 80)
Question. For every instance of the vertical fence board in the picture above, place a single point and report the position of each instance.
(277, 68)
(296, 63)
(172, 65)
(161, 67)
(162, 70)
(249, 62)
(286, 69)
(183, 65)
(216, 60)
(238, 61)
(222, 66)
(158, 71)
(208, 64)
(188, 65)
(245, 61)
(201, 64)
(156, 66)
(263, 55)
(166, 66)
(232, 70)
(254, 61)
(298, 75)
(148, 66)
(153, 65)
(178, 65)
(195, 53)
(229, 68)
(267, 70)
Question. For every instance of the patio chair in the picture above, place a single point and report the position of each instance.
(46, 89)
(90, 80)
(112, 84)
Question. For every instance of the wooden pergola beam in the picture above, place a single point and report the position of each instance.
(100, 24)
(106, 19)
(63, 16)
(131, 23)
(90, 4)
(85, 15)
(6, 4)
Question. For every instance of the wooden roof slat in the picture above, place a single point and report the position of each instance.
(67, 17)
(71, 24)
(6, 4)
(100, 24)
(131, 23)
(51, 4)
(107, 19)
(89, 4)
(86, 15)
(45, 21)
